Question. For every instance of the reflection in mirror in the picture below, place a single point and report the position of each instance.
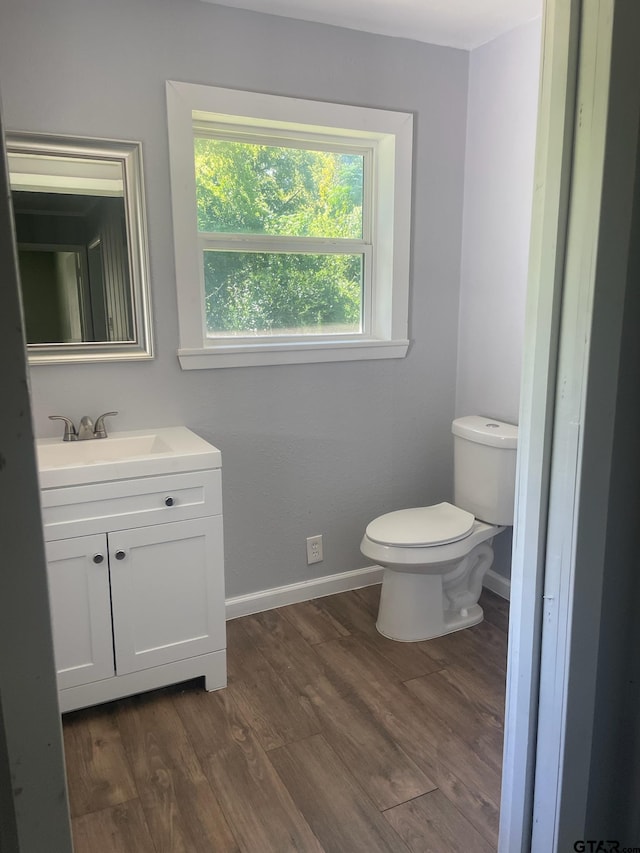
(80, 228)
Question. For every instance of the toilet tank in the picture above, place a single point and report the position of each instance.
(484, 463)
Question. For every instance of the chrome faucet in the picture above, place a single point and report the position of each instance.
(87, 428)
(70, 433)
(99, 430)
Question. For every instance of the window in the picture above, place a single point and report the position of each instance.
(291, 222)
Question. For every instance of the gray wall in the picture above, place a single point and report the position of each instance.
(306, 449)
(498, 191)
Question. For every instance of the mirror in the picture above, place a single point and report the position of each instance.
(82, 250)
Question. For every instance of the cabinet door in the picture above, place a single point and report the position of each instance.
(167, 588)
(78, 572)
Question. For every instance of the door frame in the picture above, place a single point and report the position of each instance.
(583, 205)
(552, 182)
(33, 796)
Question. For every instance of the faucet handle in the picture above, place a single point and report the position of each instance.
(70, 433)
(99, 429)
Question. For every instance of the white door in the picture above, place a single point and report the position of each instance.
(78, 573)
(167, 587)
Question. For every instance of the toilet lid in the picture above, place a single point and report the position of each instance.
(422, 526)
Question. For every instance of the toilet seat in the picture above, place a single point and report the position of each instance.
(421, 527)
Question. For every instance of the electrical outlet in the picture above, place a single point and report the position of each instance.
(314, 549)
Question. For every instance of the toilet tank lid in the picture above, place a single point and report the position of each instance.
(486, 431)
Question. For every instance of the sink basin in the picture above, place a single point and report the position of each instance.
(136, 453)
(113, 449)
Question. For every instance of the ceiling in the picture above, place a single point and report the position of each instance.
(455, 23)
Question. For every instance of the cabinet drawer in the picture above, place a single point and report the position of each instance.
(101, 507)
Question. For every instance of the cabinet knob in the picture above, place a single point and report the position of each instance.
(120, 555)
(169, 501)
(98, 558)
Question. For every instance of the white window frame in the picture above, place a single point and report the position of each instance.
(384, 136)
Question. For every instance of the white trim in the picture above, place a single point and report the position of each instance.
(548, 238)
(582, 493)
(498, 584)
(294, 593)
(568, 448)
(213, 666)
(305, 352)
(221, 241)
(389, 137)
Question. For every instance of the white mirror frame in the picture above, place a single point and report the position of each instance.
(129, 155)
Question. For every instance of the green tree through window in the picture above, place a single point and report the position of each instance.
(263, 191)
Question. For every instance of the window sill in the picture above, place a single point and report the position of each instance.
(299, 352)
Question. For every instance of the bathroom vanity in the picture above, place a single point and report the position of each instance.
(133, 534)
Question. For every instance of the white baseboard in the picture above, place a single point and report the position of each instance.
(267, 599)
(498, 584)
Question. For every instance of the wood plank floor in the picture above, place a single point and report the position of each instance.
(328, 738)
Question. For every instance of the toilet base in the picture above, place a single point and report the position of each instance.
(415, 606)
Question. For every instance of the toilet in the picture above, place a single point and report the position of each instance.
(435, 557)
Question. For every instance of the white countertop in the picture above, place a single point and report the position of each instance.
(133, 453)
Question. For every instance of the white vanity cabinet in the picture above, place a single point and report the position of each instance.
(79, 597)
(136, 584)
